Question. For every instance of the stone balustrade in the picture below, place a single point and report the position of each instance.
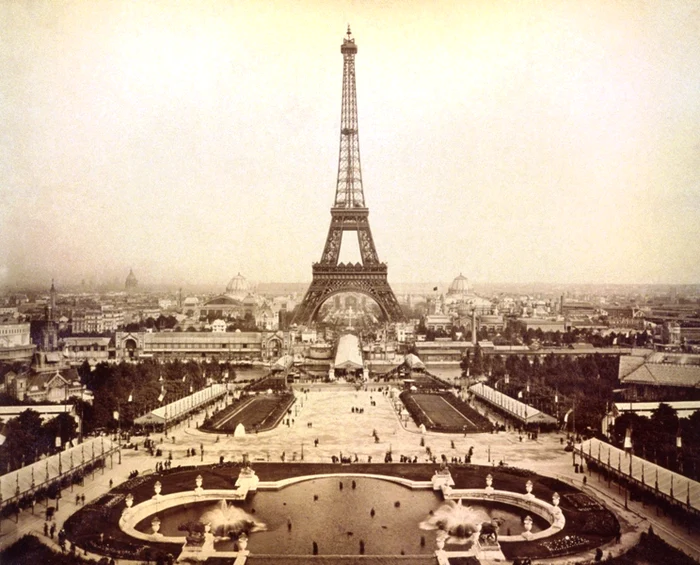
(549, 512)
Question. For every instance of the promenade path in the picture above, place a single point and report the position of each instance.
(325, 413)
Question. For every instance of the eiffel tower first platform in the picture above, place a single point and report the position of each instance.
(349, 214)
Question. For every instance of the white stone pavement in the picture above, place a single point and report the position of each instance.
(328, 410)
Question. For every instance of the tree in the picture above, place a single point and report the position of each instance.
(63, 426)
(25, 440)
(665, 419)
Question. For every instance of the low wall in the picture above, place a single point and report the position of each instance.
(549, 512)
(132, 516)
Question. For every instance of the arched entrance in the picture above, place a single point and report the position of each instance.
(130, 348)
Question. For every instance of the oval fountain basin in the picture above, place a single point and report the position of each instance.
(339, 518)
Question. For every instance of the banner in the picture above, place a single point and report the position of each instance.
(628, 439)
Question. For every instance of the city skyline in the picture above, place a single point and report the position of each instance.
(514, 143)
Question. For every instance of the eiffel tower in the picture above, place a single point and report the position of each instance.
(349, 214)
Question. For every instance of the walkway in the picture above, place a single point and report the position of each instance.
(326, 414)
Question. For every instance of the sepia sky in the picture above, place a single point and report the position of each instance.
(517, 141)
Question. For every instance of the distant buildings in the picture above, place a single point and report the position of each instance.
(48, 379)
(104, 319)
(131, 284)
(222, 346)
(659, 376)
(77, 350)
(15, 342)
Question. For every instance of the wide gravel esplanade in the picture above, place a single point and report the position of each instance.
(325, 413)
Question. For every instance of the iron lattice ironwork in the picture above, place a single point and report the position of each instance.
(349, 214)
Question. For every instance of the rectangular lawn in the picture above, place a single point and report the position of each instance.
(441, 413)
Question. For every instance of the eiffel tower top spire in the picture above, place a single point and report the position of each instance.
(348, 192)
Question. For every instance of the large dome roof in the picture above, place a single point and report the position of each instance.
(459, 286)
(238, 285)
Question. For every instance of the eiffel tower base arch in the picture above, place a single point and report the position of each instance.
(331, 280)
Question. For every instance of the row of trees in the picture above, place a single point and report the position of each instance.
(28, 438)
(556, 383)
(125, 390)
(657, 438)
(134, 389)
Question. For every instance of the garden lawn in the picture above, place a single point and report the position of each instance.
(443, 414)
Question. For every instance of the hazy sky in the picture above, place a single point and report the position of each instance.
(510, 141)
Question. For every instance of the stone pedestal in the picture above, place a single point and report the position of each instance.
(247, 480)
(442, 479)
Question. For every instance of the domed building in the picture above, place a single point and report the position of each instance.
(238, 287)
(462, 299)
(230, 304)
(131, 282)
(459, 286)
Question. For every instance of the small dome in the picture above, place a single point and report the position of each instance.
(238, 285)
(131, 281)
(459, 286)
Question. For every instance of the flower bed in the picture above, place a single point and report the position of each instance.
(257, 413)
(443, 412)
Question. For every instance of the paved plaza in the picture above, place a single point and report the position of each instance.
(325, 413)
